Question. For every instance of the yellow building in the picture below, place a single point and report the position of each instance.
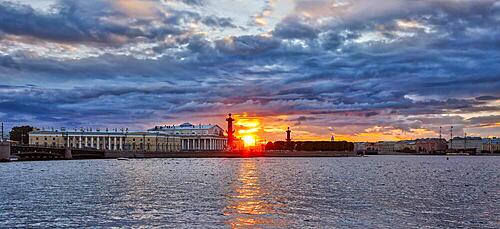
(184, 137)
(128, 141)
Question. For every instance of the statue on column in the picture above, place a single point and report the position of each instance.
(288, 139)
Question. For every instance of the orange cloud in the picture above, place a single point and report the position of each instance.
(136, 8)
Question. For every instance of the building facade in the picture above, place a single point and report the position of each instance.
(386, 146)
(128, 141)
(405, 146)
(365, 147)
(431, 145)
(196, 137)
(490, 145)
(459, 143)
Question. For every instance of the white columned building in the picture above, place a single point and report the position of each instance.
(196, 137)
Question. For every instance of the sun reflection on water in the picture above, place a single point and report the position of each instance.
(250, 204)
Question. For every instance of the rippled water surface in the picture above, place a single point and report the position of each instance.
(377, 191)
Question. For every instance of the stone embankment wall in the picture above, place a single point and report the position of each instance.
(4, 151)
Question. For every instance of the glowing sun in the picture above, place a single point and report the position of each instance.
(249, 140)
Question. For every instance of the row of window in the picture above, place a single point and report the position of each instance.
(133, 139)
(133, 146)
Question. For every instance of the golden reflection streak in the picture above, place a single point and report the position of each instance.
(250, 206)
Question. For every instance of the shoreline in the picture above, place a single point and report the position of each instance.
(223, 154)
(192, 154)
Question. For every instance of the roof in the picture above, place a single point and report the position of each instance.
(491, 140)
(183, 126)
(110, 133)
(468, 138)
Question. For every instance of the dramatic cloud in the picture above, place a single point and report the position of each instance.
(359, 69)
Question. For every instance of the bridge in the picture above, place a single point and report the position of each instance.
(32, 152)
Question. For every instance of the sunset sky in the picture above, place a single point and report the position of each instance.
(363, 70)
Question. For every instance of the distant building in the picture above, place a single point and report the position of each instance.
(431, 145)
(406, 146)
(368, 148)
(195, 137)
(469, 143)
(490, 145)
(106, 140)
(364, 146)
(386, 146)
(185, 137)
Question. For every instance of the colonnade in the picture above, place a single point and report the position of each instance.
(203, 144)
(96, 142)
(136, 142)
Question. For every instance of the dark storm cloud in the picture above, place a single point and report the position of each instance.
(437, 58)
(98, 21)
(293, 28)
(218, 22)
(75, 21)
(488, 97)
(195, 2)
(247, 45)
(485, 120)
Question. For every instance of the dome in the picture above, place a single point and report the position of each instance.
(186, 124)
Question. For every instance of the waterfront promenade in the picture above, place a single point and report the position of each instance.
(28, 152)
(226, 154)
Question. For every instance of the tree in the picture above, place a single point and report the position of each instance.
(20, 134)
(269, 146)
(314, 146)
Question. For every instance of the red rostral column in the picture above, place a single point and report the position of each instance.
(288, 139)
(230, 132)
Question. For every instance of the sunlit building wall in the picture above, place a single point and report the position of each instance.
(431, 145)
(196, 137)
(130, 141)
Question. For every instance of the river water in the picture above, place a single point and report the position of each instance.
(368, 192)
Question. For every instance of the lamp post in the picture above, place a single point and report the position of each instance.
(451, 137)
(465, 141)
(156, 142)
(66, 138)
(81, 138)
(107, 138)
(127, 147)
